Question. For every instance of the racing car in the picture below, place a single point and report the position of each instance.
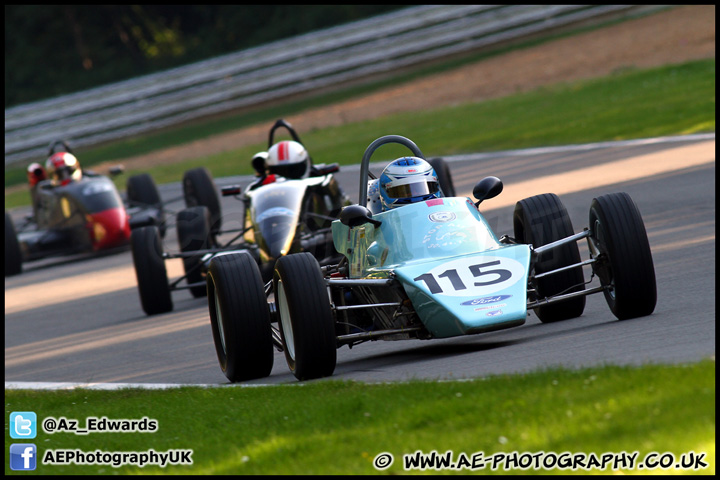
(83, 215)
(426, 270)
(282, 215)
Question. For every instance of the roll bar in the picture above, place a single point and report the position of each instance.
(282, 123)
(365, 164)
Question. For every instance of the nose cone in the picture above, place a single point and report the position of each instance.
(109, 228)
(277, 235)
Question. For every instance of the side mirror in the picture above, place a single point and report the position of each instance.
(231, 190)
(117, 170)
(258, 165)
(326, 169)
(488, 187)
(356, 215)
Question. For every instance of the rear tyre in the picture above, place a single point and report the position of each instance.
(193, 232)
(540, 220)
(13, 256)
(307, 328)
(147, 251)
(624, 262)
(239, 317)
(200, 190)
(444, 176)
(142, 192)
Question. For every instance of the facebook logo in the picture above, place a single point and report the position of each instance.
(23, 425)
(23, 456)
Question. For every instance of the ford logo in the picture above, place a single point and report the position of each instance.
(486, 300)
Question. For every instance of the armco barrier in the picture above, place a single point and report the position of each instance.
(292, 66)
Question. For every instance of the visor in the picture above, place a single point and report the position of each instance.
(412, 190)
(64, 173)
(294, 170)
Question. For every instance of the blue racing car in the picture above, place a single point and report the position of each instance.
(420, 264)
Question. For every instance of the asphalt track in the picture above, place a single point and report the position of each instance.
(78, 321)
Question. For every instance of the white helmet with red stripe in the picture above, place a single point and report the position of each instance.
(289, 159)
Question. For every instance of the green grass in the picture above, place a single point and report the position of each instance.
(335, 427)
(672, 100)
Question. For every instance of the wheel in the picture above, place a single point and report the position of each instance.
(444, 176)
(307, 328)
(142, 192)
(624, 262)
(193, 233)
(199, 189)
(147, 251)
(540, 220)
(239, 317)
(13, 256)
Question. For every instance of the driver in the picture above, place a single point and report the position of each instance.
(288, 159)
(407, 180)
(63, 168)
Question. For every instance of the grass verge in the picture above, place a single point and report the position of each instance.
(333, 427)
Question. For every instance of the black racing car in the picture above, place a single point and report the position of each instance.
(280, 217)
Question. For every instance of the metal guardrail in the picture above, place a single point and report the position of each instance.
(292, 66)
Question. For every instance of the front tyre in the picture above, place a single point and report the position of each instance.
(142, 192)
(540, 220)
(147, 253)
(239, 317)
(624, 262)
(307, 328)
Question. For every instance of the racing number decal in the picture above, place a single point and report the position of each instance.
(477, 272)
(458, 284)
(459, 279)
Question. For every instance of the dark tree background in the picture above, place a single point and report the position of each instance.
(52, 50)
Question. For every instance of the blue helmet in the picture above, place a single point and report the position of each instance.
(408, 180)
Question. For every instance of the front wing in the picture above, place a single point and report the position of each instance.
(471, 293)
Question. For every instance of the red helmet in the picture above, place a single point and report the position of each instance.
(63, 167)
(289, 159)
(35, 173)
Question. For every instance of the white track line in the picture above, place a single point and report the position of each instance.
(119, 386)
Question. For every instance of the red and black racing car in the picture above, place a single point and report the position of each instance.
(76, 211)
